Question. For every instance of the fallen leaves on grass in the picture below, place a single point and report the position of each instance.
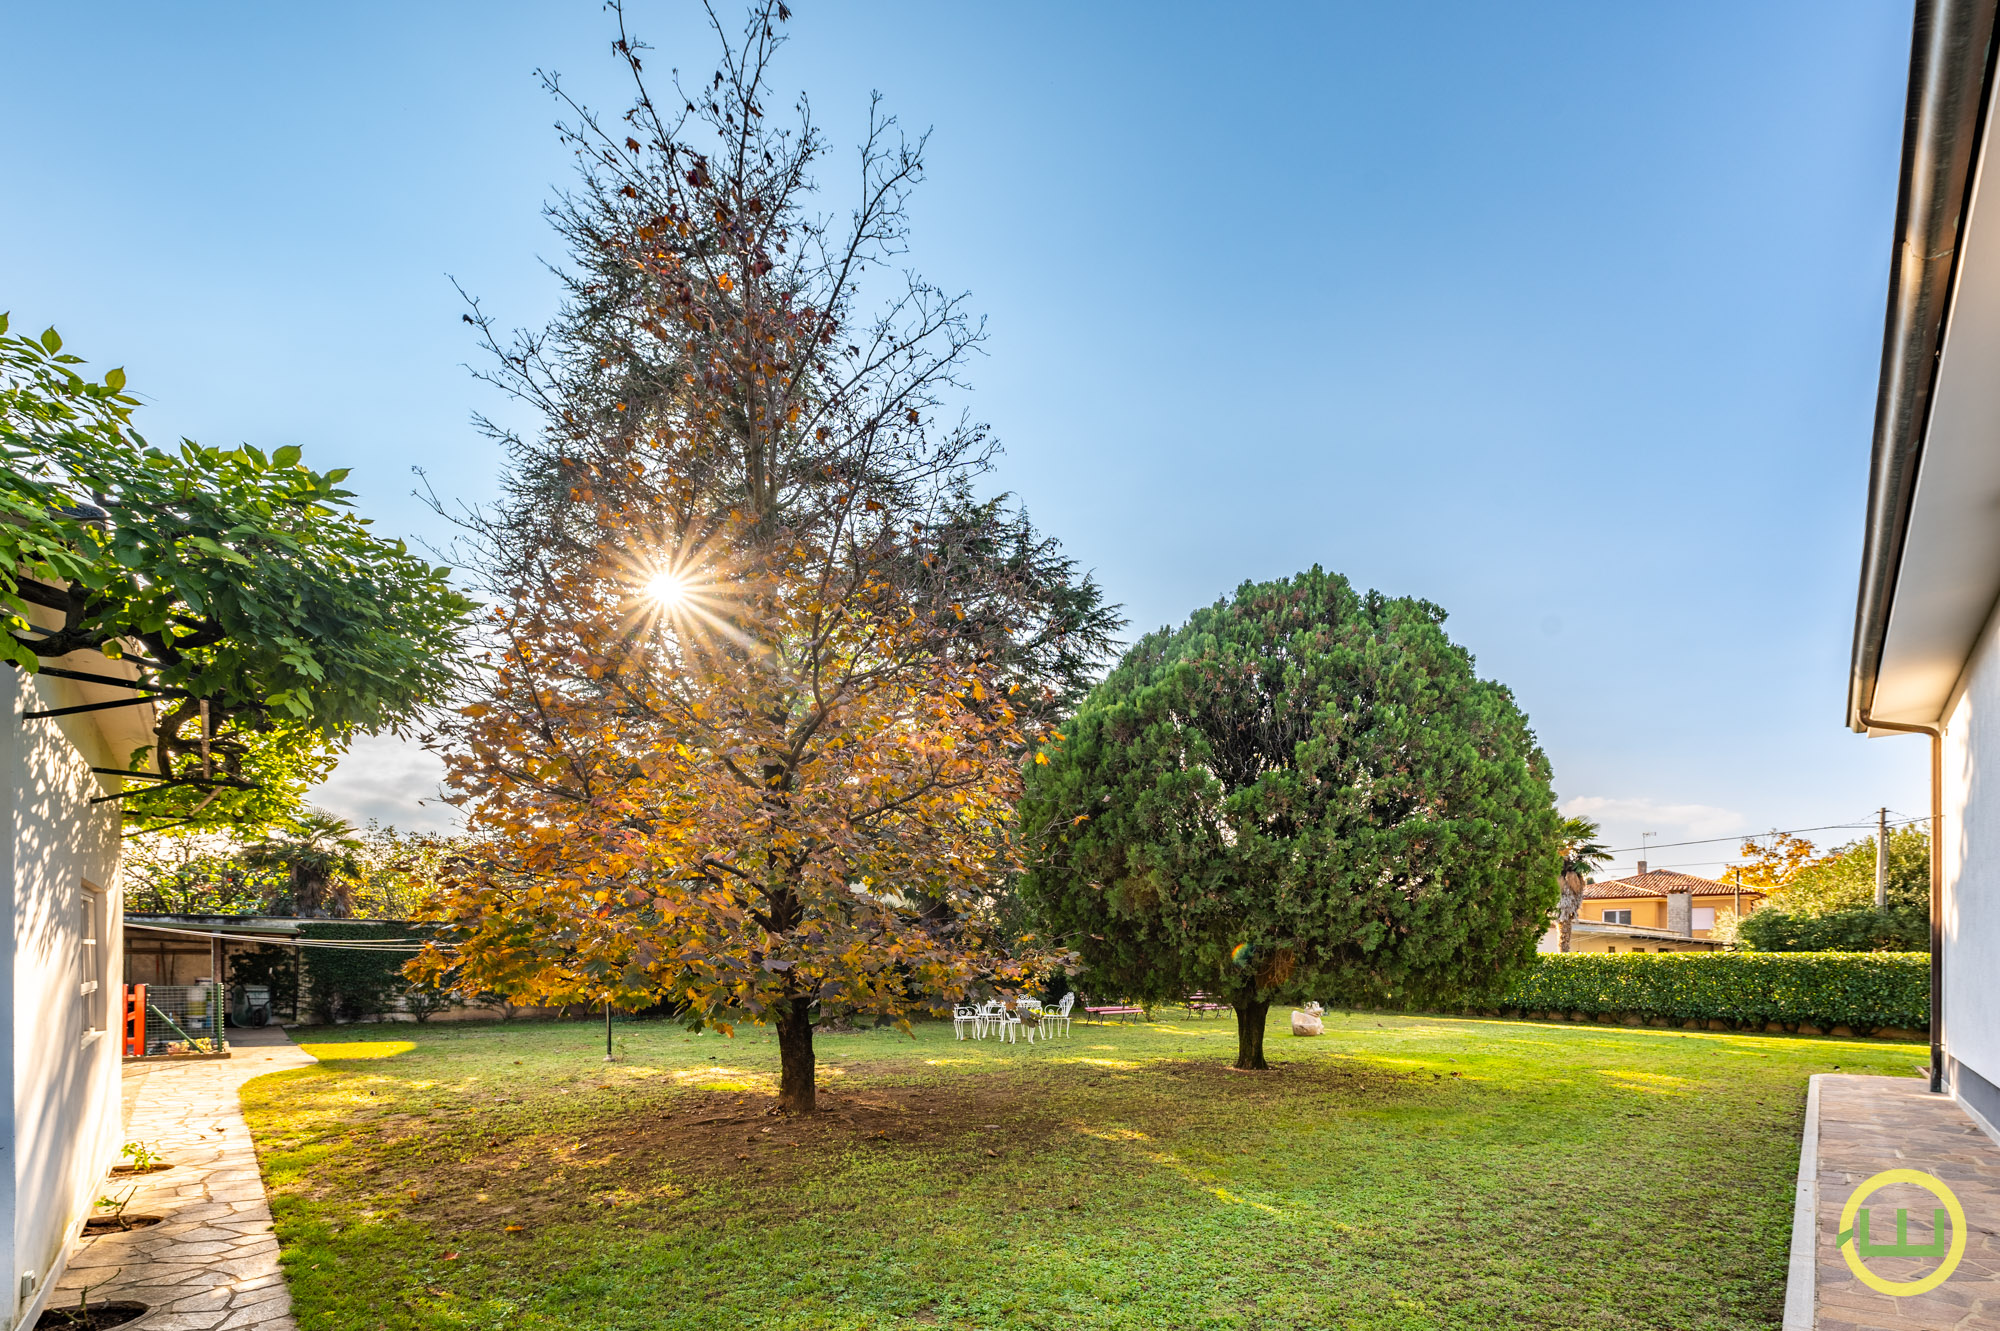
(1172, 1163)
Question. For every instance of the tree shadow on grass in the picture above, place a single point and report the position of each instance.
(643, 1161)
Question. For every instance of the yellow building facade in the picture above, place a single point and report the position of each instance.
(1660, 911)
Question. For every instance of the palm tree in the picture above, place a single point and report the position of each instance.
(1581, 852)
(321, 853)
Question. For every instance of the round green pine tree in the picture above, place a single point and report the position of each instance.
(1302, 793)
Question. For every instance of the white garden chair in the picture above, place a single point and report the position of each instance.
(965, 1019)
(991, 1017)
(1005, 1024)
(1052, 1018)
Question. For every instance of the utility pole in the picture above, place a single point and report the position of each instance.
(1881, 859)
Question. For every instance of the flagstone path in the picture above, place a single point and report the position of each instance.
(211, 1264)
(1871, 1124)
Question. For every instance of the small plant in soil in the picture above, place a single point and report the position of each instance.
(117, 1202)
(140, 1159)
(94, 1316)
(115, 1219)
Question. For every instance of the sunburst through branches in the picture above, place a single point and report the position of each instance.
(667, 590)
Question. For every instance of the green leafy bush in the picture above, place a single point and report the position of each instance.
(1845, 929)
(1862, 990)
(1828, 904)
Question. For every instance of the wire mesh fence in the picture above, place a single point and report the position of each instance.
(174, 1019)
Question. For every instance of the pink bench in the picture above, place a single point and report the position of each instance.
(1115, 1010)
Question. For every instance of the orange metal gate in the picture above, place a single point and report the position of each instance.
(135, 1020)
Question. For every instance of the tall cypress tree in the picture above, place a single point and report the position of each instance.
(1302, 792)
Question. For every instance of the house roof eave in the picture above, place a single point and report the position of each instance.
(1951, 68)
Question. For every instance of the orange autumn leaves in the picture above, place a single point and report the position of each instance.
(763, 661)
(792, 789)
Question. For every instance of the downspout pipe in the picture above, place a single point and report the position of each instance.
(1937, 888)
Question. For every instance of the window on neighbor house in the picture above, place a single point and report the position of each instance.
(1704, 916)
(1618, 917)
(91, 990)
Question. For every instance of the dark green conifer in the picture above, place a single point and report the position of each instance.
(1304, 792)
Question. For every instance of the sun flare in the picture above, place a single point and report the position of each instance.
(666, 590)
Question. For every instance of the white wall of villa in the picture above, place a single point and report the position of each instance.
(1971, 897)
(60, 870)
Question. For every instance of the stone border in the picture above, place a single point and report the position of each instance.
(1801, 1292)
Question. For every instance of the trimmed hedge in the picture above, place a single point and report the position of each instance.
(1859, 990)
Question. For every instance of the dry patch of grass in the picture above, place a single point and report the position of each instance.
(663, 1145)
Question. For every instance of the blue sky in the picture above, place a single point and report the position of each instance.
(1566, 317)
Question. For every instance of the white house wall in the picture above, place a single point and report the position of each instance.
(61, 1102)
(1971, 897)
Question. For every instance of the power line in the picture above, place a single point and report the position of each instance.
(1695, 864)
(291, 940)
(1758, 836)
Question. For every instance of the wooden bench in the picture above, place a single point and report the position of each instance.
(1115, 1010)
(1200, 1005)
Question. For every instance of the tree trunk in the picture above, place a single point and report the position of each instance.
(795, 1057)
(1250, 1034)
(1568, 905)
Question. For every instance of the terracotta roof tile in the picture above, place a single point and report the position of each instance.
(1660, 882)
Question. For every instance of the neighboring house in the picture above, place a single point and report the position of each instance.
(1926, 657)
(1659, 911)
(64, 961)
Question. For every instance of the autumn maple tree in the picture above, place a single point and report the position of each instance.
(765, 667)
(1773, 860)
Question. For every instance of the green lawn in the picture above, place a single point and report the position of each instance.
(1399, 1172)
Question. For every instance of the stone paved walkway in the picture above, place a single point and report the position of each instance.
(1871, 1124)
(211, 1264)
